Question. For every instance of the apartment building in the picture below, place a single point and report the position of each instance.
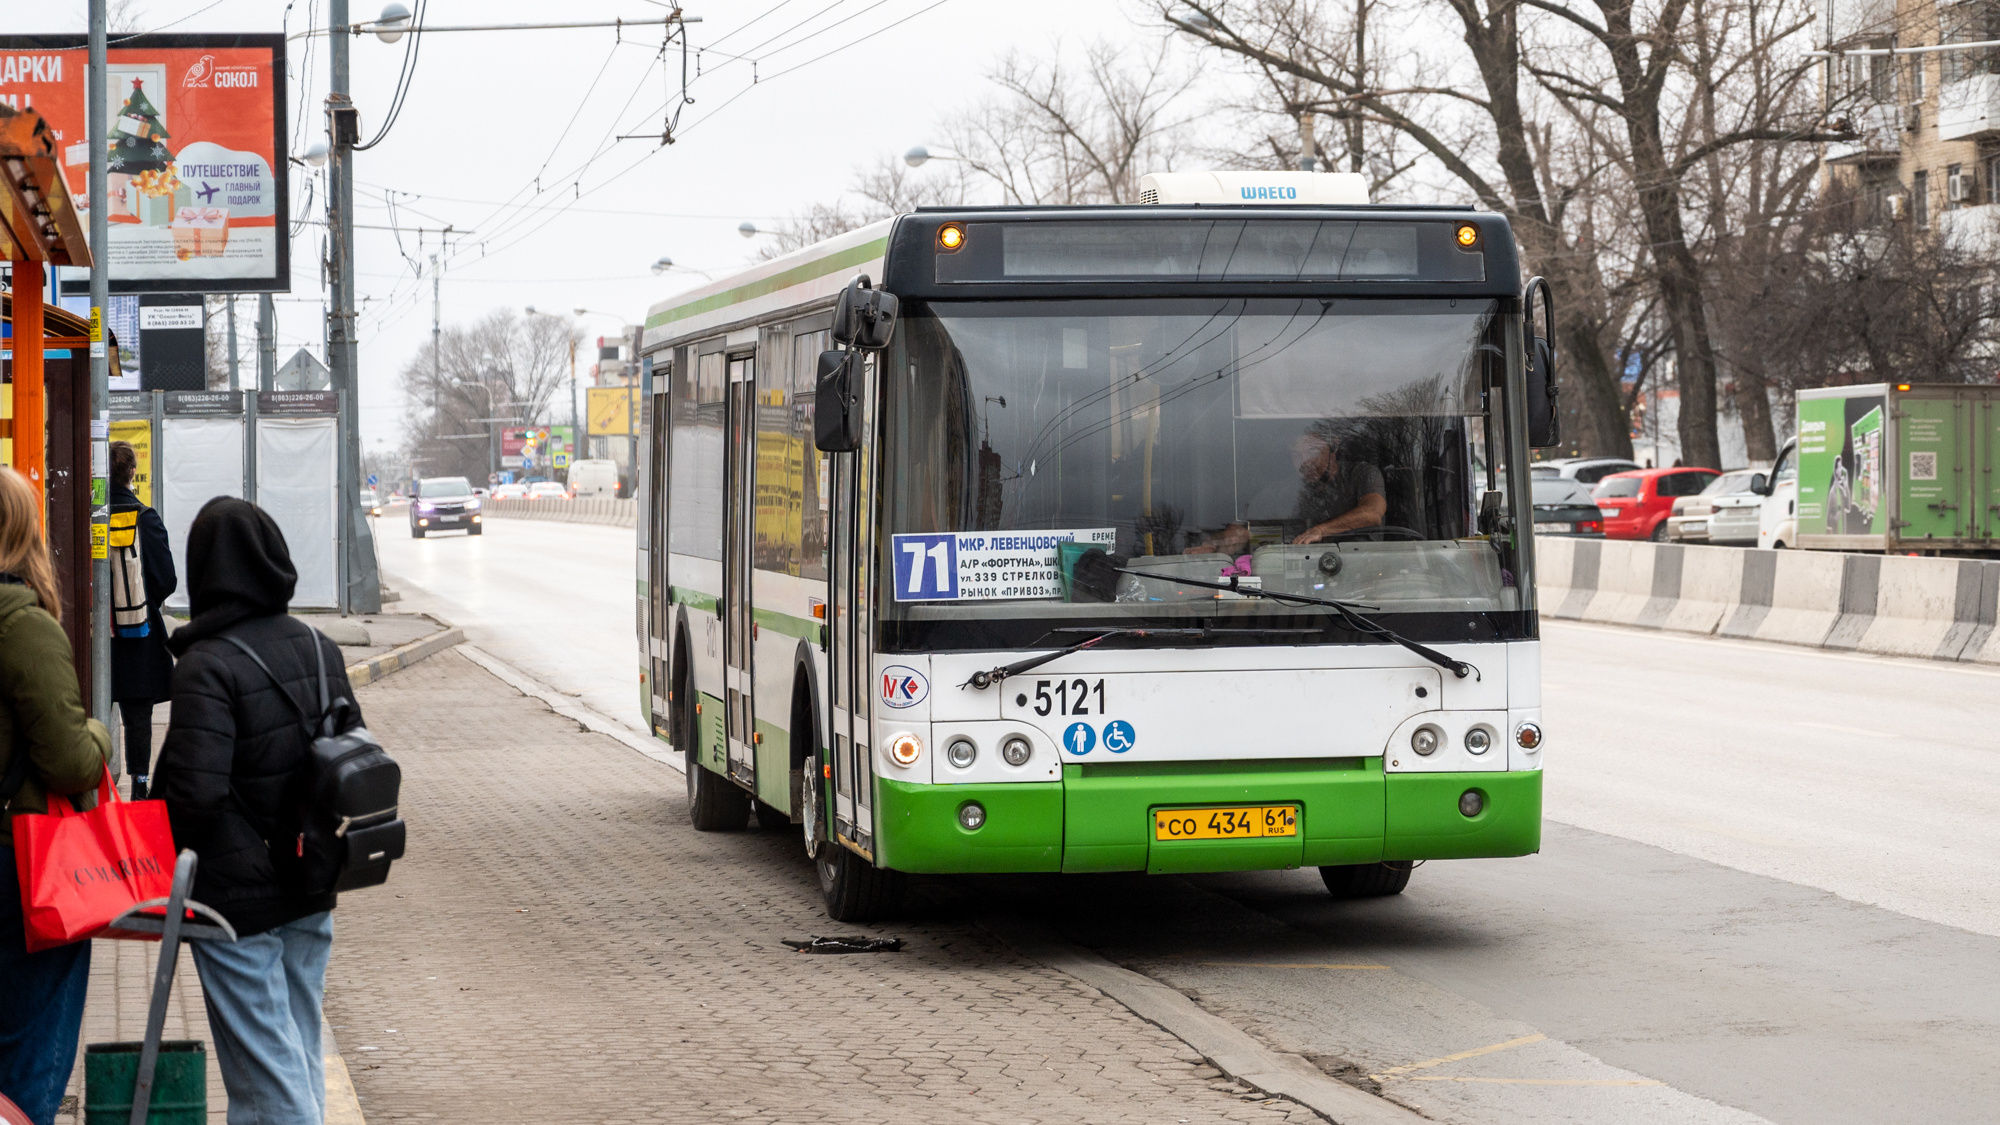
(1927, 149)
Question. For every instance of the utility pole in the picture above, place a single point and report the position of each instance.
(100, 375)
(1308, 156)
(360, 585)
(235, 371)
(437, 301)
(267, 343)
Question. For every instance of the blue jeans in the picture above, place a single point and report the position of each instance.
(41, 1008)
(263, 996)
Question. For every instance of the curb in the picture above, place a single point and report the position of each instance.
(1227, 1047)
(369, 671)
(586, 717)
(343, 1105)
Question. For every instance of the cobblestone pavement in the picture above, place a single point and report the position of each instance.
(121, 989)
(560, 946)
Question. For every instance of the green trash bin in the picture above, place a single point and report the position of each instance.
(180, 1083)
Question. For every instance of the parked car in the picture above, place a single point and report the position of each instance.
(1778, 516)
(1636, 503)
(594, 479)
(510, 492)
(546, 490)
(1564, 507)
(443, 504)
(1583, 470)
(1692, 518)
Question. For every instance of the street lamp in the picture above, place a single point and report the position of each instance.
(574, 436)
(390, 25)
(748, 229)
(664, 263)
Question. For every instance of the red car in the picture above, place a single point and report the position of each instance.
(1636, 504)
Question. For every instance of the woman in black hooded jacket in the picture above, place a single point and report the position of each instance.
(230, 773)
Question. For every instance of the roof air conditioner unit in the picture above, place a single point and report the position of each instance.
(1337, 189)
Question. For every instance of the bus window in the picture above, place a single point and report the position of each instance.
(694, 522)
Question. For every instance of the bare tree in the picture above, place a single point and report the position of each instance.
(878, 193)
(503, 369)
(1076, 135)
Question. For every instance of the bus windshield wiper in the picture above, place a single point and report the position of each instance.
(1354, 620)
(991, 676)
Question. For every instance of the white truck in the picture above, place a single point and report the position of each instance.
(593, 480)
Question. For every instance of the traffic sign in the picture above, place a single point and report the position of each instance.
(371, 480)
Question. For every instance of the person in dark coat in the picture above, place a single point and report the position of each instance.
(140, 665)
(230, 773)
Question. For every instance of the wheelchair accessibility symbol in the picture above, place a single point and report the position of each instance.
(1079, 739)
(1119, 736)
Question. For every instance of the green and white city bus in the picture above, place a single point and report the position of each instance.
(1178, 537)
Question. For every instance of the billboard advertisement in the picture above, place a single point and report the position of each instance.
(197, 195)
(537, 450)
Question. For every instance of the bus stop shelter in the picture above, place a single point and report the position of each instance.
(45, 433)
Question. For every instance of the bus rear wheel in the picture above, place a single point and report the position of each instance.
(1367, 880)
(856, 890)
(714, 805)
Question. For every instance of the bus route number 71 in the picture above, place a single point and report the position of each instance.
(1067, 697)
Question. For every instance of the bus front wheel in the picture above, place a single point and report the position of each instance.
(1367, 880)
(856, 890)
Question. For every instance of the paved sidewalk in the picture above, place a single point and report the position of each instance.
(121, 988)
(559, 945)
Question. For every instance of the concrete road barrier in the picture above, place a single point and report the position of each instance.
(1941, 609)
(621, 513)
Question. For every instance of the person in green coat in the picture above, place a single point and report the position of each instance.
(47, 744)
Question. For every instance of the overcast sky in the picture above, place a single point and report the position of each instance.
(490, 113)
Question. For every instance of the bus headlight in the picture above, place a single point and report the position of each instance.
(1425, 741)
(906, 748)
(1478, 741)
(971, 816)
(961, 753)
(1016, 750)
(1528, 736)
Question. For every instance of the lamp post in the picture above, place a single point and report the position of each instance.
(632, 406)
(575, 431)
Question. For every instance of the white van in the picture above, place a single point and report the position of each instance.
(593, 480)
(1778, 519)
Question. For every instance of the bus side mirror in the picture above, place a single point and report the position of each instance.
(1544, 421)
(864, 318)
(1760, 484)
(836, 408)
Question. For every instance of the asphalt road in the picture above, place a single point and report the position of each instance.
(1767, 887)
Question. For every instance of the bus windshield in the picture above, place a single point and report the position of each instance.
(1334, 448)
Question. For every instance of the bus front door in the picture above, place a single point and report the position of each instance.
(736, 545)
(851, 648)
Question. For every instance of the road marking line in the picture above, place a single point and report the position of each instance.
(1285, 965)
(1544, 1081)
(1397, 1071)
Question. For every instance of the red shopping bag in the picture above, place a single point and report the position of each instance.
(80, 870)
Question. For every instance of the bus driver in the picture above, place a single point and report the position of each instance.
(1331, 498)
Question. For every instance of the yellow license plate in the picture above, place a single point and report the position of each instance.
(1253, 822)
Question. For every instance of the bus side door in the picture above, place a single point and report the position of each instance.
(851, 647)
(740, 504)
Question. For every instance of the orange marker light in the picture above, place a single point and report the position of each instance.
(1468, 235)
(1902, 386)
(951, 236)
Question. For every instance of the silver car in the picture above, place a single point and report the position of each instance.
(1695, 517)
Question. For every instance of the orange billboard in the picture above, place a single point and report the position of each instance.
(197, 196)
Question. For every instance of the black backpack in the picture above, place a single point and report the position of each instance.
(349, 832)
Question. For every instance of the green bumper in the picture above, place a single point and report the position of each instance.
(1099, 818)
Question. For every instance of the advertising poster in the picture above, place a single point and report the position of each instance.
(1840, 466)
(138, 431)
(197, 195)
